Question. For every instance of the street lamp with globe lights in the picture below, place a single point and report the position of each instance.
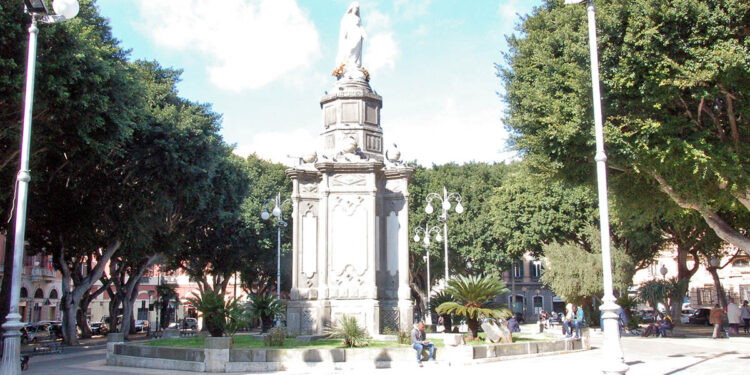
(276, 212)
(427, 231)
(445, 205)
(64, 10)
(614, 362)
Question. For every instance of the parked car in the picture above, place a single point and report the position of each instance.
(108, 321)
(189, 323)
(700, 316)
(99, 328)
(142, 325)
(36, 332)
(685, 315)
(56, 331)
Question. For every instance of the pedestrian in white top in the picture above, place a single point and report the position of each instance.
(733, 315)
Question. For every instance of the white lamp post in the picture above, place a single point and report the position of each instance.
(426, 232)
(280, 223)
(64, 9)
(613, 362)
(445, 205)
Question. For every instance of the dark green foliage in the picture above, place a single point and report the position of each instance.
(219, 315)
(474, 299)
(265, 307)
(675, 80)
(438, 299)
(574, 270)
(348, 330)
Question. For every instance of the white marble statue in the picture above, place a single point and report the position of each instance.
(351, 36)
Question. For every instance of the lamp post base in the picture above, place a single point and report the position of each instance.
(614, 362)
(12, 345)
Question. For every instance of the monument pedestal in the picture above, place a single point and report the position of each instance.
(350, 231)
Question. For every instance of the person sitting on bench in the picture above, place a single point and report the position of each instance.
(419, 343)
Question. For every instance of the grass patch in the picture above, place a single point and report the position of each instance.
(249, 342)
(483, 336)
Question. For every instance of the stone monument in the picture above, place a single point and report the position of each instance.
(351, 204)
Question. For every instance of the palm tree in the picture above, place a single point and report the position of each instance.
(438, 299)
(474, 298)
(265, 306)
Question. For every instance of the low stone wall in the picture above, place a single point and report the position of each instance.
(219, 358)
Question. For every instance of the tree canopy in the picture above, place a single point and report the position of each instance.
(675, 77)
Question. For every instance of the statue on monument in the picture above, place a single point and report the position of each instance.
(351, 35)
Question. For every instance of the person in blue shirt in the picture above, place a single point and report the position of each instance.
(578, 321)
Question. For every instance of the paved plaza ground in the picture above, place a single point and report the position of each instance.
(692, 353)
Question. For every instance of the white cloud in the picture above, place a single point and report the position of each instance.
(382, 52)
(455, 132)
(508, 10)
(249, 43)
(281, 146)
(380, 48)
(411, 8)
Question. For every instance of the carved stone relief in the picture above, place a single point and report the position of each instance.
(349, 180)
(308, 187)
(393, 186)
(309, 245)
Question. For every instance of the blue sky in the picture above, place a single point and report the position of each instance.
(264, 64)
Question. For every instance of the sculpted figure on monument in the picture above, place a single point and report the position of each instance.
(350, 39)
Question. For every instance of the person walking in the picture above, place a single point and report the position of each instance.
(734, 315)
(714, 318)
(746, 316)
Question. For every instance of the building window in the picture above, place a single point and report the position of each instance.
(39, 294)
(53, 294)
(706, 296)
(518, 269)
(536, 269)
(741, 263)
(24, 293)
(538, 303)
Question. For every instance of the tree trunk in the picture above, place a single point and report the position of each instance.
(513, 289)
(72, 296)
(127, 315)
(114, 304)
(719, 289)
(69, 306)
(81, 320)
(683, 277)
(722, 229)
(473, 326)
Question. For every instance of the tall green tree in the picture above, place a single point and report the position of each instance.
(258, 270)
(473, 245)
(573, 270)
(675, 78)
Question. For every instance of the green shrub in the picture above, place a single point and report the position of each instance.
(404, 338)
(347, 329)
(275, 337)
(634, 322)
(219, 315)
(265, 307)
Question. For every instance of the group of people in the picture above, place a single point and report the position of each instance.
(572, 321)
(735, 314)
(662, 323)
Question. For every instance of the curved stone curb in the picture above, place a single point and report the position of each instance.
(219, 358)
